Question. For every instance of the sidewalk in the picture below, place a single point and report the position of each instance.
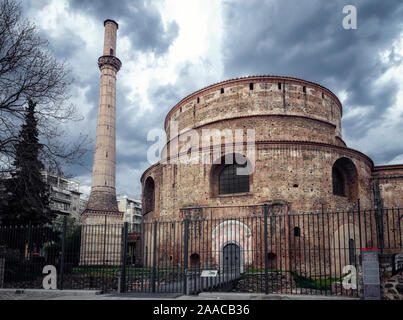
(40, 294)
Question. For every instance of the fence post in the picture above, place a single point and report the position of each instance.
(359, 222)
(29, 256)
(154, 258)
(63, 252)
(379, 226)
(123, 259)
(266, 258)
(185, 255)
(103, 257)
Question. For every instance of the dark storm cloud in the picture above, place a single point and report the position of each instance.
(64, 45)
(140, 19)
(141, 22)
(133, 126)
(306, 39)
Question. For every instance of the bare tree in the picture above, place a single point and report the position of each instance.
(29, 71)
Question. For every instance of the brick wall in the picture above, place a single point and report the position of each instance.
(300, 174)
(390, 179)
(298, 139)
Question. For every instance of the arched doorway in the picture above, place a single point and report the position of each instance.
(344, 248)
(231, 258)
(236, 233)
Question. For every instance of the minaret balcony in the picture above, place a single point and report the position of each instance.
(110, 61)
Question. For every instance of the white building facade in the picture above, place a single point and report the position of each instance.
(131, 209)
(65, 195)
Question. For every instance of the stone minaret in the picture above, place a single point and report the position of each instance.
(101, 233)
(103, 194)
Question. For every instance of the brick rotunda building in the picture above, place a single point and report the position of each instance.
(301, 162)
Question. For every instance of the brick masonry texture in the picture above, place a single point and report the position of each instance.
(298, 139)
(298, 143)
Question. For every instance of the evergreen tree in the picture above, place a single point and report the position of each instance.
(27, 195)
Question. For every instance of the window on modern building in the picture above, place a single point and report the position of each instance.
(149, 195)
(231, 182)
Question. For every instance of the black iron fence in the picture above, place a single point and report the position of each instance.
(245, 249)
(273, 251)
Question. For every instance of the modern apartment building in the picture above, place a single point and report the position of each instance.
(65, 195)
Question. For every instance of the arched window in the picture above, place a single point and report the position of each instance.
(297, 232)
(338, 182)
(232, 182)
(148, 195)
(230, 174)
(345, 179)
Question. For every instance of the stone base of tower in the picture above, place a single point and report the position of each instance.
(101, 238)
(102, 200)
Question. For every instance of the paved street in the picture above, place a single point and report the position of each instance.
(38, 294)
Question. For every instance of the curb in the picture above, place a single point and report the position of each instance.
(43, 291)
(262, 296)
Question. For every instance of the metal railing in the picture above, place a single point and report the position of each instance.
(247, 248)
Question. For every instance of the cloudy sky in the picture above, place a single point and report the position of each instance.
(171, 48)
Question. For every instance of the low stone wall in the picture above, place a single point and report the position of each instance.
(392, 288)
(391, 280)
(278, 283)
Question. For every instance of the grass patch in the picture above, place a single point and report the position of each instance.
(309, 283)
(302, 281)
